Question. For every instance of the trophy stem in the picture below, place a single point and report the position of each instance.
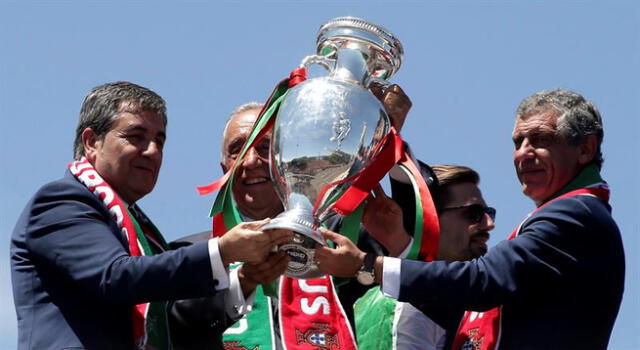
(351, 66)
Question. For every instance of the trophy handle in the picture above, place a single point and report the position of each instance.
(384, 84)
(327, 63)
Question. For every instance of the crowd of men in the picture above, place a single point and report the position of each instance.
(91, 271)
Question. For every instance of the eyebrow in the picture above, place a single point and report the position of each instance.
(143, 129)
(237, 142)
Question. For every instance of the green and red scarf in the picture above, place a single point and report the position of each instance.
(149, 320)
(376, 316)
(482, 330)
(311, 315)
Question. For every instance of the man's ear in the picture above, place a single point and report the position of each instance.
(90, 142)
(588, 149)
(224, 168)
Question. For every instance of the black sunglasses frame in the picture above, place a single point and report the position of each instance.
(475, 212)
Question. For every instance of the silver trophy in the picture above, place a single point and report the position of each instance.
(328, 129)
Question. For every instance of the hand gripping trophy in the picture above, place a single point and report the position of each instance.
(328, 130)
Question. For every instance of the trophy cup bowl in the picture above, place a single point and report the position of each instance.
(328, 129)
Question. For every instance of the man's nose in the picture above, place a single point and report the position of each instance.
(487, 223)
(153, 150)
(252, 159)
(524, 151)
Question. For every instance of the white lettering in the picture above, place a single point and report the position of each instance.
(108, 194)
(117, 214)
(242, 326)
(474, 315)
(90, 178)
(313, 289)
(313, 308)
(76, 167)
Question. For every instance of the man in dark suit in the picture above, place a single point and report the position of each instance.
(557, 283)
(197, 323)
(88, 268)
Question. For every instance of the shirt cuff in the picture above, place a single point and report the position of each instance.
(220, 273)
(236, 305)
(406, 250)
(391, 277)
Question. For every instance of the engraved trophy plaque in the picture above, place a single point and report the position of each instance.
(328, 129)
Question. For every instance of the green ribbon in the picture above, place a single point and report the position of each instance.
(156, 326)
(587, 176)
(223, 197)
(374, 313)
(250, 332)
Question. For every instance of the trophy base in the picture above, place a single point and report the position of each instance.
(301, 249)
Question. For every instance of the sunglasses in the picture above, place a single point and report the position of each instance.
(475, 212)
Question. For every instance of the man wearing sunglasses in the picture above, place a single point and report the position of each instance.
(557, 282)
(465, 221)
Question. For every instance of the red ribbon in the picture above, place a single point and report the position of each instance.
(218, 184)
(481, 330)
(392, 152)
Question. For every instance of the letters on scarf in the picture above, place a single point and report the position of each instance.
(316, 329)
(149, 320)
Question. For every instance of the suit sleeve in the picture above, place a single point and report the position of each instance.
(71, 234)
(551, 246)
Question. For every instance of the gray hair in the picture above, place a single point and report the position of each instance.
(242, 108)
(102, 105)
(579, 117)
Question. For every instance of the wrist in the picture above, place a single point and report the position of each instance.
(361, 256)
(248, 285)
(223, 250)
(378, 269)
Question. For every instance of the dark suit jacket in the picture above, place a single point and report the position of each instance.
(74, 283)
(198, 324)
(560, 281)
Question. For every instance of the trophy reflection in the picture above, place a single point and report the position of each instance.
(328, 129)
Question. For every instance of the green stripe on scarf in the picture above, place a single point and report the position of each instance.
(156, 324)
(587, 176)
(255, 329)
(375, 313)
(225, 193)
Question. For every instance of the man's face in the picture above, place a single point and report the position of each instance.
(252, 188)
(462, 237)
(544, 161)
(129, 155)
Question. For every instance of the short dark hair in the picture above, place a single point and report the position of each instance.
(578, 118)
(449, 175)
(102, 105)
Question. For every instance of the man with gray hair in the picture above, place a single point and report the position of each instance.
(557, 281)
(197, 323)
(89, 269)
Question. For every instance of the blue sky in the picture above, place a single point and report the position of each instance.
(467, 66)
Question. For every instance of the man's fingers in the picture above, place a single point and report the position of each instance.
(255, 225)
(280, 236)
(397, 104)
(377, 91)
(335, 237)
(323, 252)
